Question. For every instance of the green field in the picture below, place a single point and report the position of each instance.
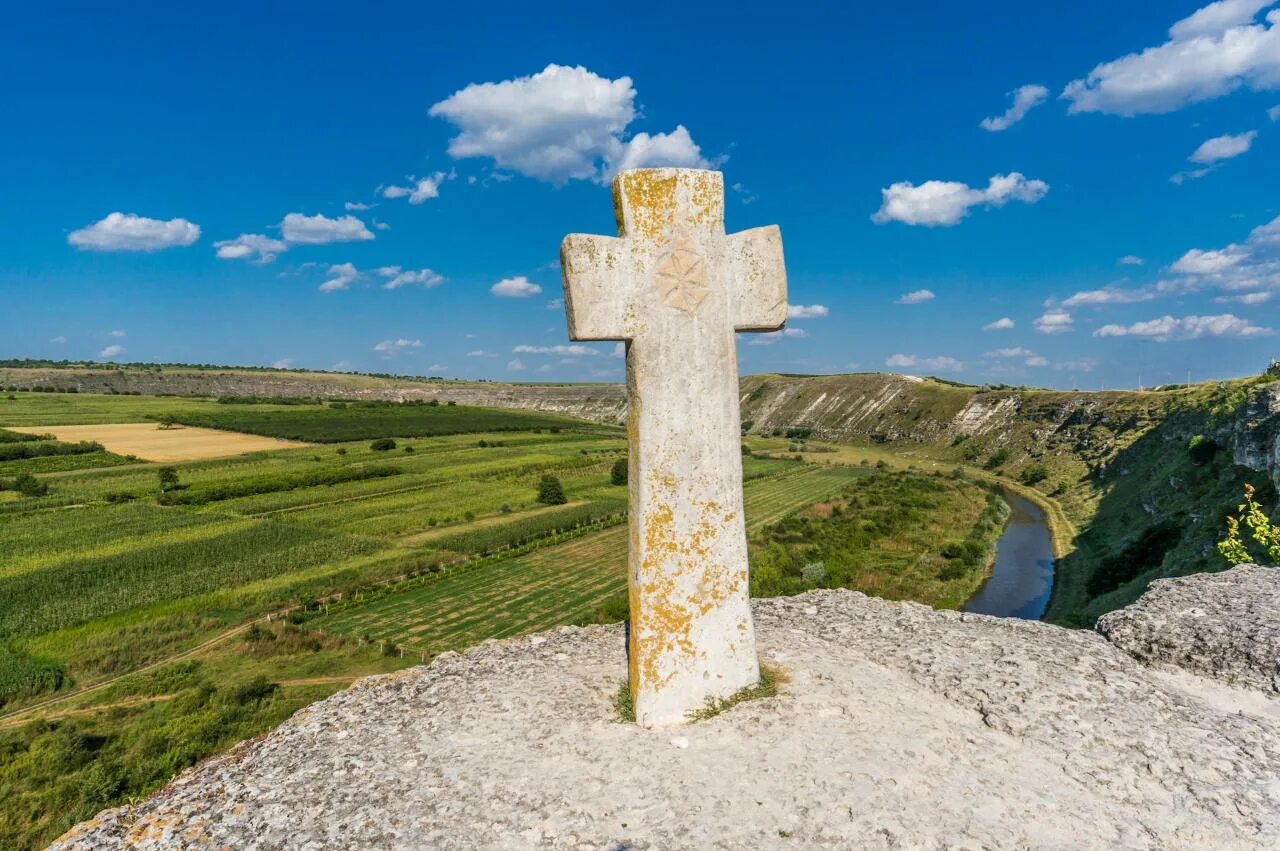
(134, 637)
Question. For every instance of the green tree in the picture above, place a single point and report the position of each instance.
(168, 477)
(618, 475)
(167, 421)
(550, 491)
(28, 485)
(383, 444)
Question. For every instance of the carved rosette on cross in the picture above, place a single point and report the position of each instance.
(677, 288)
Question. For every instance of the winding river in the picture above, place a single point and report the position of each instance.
(1022, 578)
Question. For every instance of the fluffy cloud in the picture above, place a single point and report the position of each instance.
(517, 287)
(422, 189)
(1054, 322)
(341, 276)
(1274, 113)
(356, 206)
(1036, 360)
(945, 203)
(1167, 328)
(770, 337)
(1246, 298)
(1197, 262)
(1012, 352)
(806, 311)
(515, 365)
(119, 333)
(58, 341)
(391, 348)
(937, 364)
(1004, 323)
(1215, 51)
(1130, 260)
(568, 351)
(1025, 99)
(298, 229)
(127, 232)
(481, 353)
(111, 352)
(251, 246)
(1107, 296)
(284, 363)
(403, 278)
(1224, 147)
(559, 124)
(915, 297)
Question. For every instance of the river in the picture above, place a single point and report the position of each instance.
(1022, 578)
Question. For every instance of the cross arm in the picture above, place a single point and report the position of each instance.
(759, 279)
(598, 292)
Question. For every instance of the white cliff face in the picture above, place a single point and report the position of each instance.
(901, 727)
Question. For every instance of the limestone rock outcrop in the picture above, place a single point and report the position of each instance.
(1220, 625)
(900, 727)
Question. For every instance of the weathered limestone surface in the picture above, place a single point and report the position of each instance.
(1221, 625)
(901, 727)
(677, 289)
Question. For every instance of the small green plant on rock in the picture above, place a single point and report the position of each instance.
(1267, 534)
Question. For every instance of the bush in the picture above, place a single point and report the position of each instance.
(1033, 474)
(383, 444)
(25, 484)
(168, 477)
(550, 491)
(618, 475)
(997, 459)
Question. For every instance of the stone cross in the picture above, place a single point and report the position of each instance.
(676, 288)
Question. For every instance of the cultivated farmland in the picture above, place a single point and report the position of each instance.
(150, 442)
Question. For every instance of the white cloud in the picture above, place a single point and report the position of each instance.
(1197, 262)
(340, 277)
(1004, 323)
(1077, 365)
(1223, 147)
(111, 352)
(676, 149)
(58, 341)
(1246, 298)
(399, 278)
(251, 246)
(1054, 321)
(357, 206)
(1167, 328)
(1012, 352)
(423, 189)
(570, 351)
(515, 365)
(1130, 260)
(560, 124)
(945, 203)
(481, 353)
(1036, 360)
(770, 337)
(381, 225)
(1274, 113)
(619, 350)
(283, 363)
(936, 364)
(1025, 98)
(298, 229)
(128, 232)
(118, 333)
(1194, 174)
(1215, 51)
(391, 348)
(438, 367)
(1107, 296)
(806, 311)
(517, 287)
(915, 297)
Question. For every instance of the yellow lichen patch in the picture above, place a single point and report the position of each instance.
(648, 195)
(706, 196)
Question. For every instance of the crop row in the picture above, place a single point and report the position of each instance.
(522, 530)
(218, 491)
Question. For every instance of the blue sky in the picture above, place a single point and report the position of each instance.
(385, 188)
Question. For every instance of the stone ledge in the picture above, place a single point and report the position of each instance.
(901, 727)
(1220, 625)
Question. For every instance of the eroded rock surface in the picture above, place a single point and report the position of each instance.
(901, 727)
(1220, 625)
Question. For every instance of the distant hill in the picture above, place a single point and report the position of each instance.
(1120, 463)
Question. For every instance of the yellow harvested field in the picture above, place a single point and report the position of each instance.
(152, 443)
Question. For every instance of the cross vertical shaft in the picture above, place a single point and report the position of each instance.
(677, 288)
